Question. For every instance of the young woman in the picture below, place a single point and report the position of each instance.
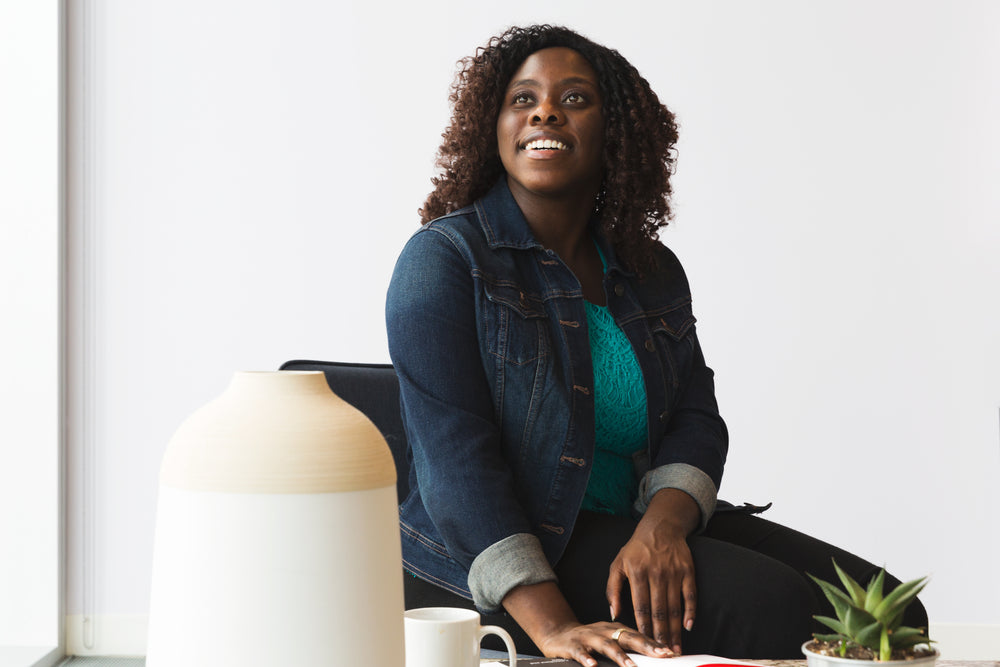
(566, 444)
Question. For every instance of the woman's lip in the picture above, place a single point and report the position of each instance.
(543, 154)
(538, 153)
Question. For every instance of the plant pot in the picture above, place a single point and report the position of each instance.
(820, 660)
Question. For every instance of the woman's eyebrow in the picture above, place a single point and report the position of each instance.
(572, 80)
(576, 80)
(522, 82)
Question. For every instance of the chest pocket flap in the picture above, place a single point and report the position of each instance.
(675, 321)
(517, 300)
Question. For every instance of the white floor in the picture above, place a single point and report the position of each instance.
(20, 656)
(28, 656)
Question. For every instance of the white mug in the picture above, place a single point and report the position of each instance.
(448, 637)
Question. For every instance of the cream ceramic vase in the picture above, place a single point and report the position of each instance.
(277, 533)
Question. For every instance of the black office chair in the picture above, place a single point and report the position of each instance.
(374, 390)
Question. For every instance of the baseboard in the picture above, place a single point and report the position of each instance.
(121, 635)
(125, 635)
(966, 641)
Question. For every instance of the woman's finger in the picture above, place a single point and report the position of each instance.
(613, 649)
(641, 604)
(616, 578)
(582, 656)
(690, 590)
(675, 614)
(665, 602)
(624, 639)
(636, 642)
(683, 598)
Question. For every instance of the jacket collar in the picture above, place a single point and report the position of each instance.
(503, 223)
(505, 226)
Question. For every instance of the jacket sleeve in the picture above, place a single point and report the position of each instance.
(691, 452)
(465, 485)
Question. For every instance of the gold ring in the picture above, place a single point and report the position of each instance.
(616, 635)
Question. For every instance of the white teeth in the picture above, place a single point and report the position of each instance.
(550, 144)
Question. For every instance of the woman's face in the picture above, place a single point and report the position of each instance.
(550, 129)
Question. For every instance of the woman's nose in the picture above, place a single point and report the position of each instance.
(547, 112)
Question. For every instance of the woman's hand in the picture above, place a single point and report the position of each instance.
(659, 569)
(542, 611)
(614, 640)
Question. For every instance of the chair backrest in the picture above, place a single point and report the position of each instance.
(374, 390)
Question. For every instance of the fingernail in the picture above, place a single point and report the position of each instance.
(677, 649)
(629, 663)
(611, 610)
(689, 624)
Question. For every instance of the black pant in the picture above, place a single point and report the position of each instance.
(754, 601)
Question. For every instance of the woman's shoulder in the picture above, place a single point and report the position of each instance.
(460, 220)
(461, 228)
(452, 244)
(665, 265)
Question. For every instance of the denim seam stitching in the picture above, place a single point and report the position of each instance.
(424, 540)
(435, 580)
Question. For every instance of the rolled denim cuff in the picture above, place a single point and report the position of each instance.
(688, 479)
(514, 561)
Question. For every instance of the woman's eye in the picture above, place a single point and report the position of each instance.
(574, 98)
(521, 98)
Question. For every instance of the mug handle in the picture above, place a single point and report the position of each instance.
(502, 634)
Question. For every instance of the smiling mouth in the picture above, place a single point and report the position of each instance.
(545, 145)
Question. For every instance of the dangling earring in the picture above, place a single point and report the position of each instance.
(599, 199)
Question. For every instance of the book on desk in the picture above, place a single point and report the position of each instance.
(640, 661)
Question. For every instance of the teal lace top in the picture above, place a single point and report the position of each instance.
(619, 415)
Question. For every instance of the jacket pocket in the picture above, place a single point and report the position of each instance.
(516, 324)
(674, 320)
(673, 333)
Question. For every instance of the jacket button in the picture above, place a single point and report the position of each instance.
(664, 416)
(650, 345)
(620, 289)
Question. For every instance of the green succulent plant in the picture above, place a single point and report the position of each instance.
(867, 618)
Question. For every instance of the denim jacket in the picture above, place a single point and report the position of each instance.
(488, 334)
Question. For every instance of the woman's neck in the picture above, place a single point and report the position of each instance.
(560, 224)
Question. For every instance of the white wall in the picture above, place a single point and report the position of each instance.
(256, 167)
(29, 330)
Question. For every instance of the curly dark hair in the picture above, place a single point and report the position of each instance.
(640, 133)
